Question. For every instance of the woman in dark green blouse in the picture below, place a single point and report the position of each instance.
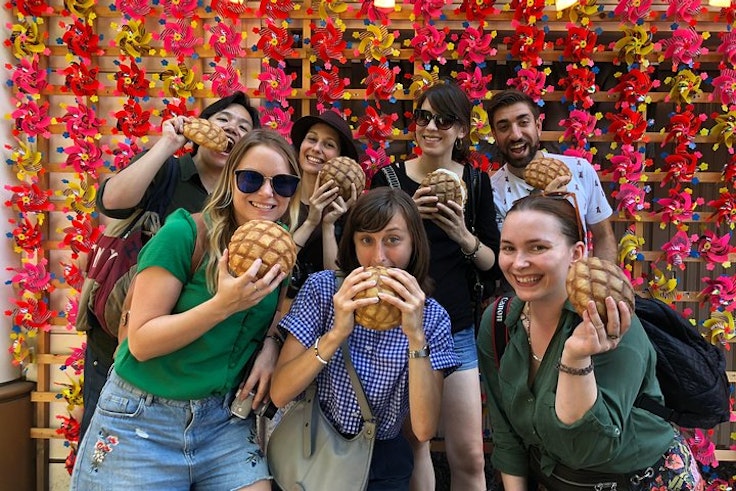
(562, 397)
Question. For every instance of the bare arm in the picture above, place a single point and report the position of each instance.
(513, 483)
(604, 241)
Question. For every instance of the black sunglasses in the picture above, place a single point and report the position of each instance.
(250, 181)
(422, 117)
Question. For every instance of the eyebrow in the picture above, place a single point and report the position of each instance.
(233, 116)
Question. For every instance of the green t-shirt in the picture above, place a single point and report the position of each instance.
(213, 363)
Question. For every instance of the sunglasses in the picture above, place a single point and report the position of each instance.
(422, 117)
(250, 181)
(566, 195)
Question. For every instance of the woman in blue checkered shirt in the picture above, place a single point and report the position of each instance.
(401, 369)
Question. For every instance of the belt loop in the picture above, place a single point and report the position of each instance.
(149, 399)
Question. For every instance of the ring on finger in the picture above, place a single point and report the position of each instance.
(612, 336)
(255, 288)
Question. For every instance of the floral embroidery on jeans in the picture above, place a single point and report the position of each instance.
(256, 456)
(103, 446)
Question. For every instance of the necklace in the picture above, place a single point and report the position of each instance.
(526, 321)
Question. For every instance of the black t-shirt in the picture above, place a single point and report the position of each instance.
(448, 267)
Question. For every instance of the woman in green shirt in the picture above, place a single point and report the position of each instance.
(562, 397)
(163, 418)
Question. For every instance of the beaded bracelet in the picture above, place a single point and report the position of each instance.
(574, 371)
(276, 339)
(474, 252)
(316, 352)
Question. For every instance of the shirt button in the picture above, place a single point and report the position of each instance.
(616, 431)
(530, 400)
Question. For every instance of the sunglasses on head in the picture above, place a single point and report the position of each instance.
(422, 117)
(566, 195)
(250, 181)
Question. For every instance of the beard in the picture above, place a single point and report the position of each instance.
(521, 163)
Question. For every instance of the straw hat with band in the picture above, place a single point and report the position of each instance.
(334, 121)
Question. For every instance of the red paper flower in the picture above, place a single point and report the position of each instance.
(327, 42)
(728, 173)
(683, 47)
(276, 42)
(375, 15)
(526, 43)
(728, 48)
(428, 9)
(84, 156)
(132, 120)
(28, 77)
(179, 38)
(724, 87)
(135, 9)
(75, 360)
(380, 82)
(676, 250)
(475, 46)
(526, 11)
(32, 8)
(179, 9)
(475, 84)
(628, 165)
(633, 11)
(225, 80)
(719, 292)
(683, 127)
(226, 41)
(123, 153)
(277, 119)
(131, 80)
(376, 127)
(29, 198)
(478, 9)
(80, 236)
(69, 428)
(179, 108)
(27, 235)
(579, 86)
(684, 10)
(82, 81)
(725, 207)
(627, 126)
(271, 9)
(31, 119)
(81, 39)
(630, 200)
(32, 278)
(479, 161)
(229, 9)
(714, 249)
(678, 208)
(32, 314)
(81, 121)
(531, 81)
(633, 87)
(579, 127)
(579, 44)
(429, 44)
(275, 84)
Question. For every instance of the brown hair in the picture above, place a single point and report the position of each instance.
(448, 99)
(557, 206)
(510, 97)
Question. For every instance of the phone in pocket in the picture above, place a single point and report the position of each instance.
(241, 407)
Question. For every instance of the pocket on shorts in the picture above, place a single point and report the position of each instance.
(120, 406)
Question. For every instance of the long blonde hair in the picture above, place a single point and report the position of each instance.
(218, 212)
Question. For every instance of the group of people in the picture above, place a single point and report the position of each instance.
(561, 397)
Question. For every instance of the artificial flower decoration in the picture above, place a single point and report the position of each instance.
(724, 130)
(331, 8)
(579, 45)
(633, 11)
(475, 84)
(27, 77)
(71, 393)
(368, 10)
(477, 9)
(32, 8)
(123, 153)
(69, 428)
(429, 44)
(75, 360)
(84, 156)
(725, 206)
(80, 236)
(275, 41)
(728, 13)
(422, 80)
(80, 79)
(678, 208)
(229, 9)
(32, 278)
(480, 128)
(580, 153)
(683, 47)
(132, 120)
(582, 11)
(225, 80)
(26, 39)
(727, 48)
(703, 449)
(474, 46)
(728, 174)
(226, 41)
(73, 275)
(683, 10)
(272, 9)
(328, 86)
(663, 288)
(327, 41)
(627, 126)
(133, 9)
(81, 121)
(579, 126)
(180, 81)
(680, 166)
(376, 127)
(275, 84)
(714, 249)
(277, 119)
(683, 127)
(685, 87)
(71, 308)
(632, 88)
(372, 161)
(720, 328)
(634, 47)
(376, 43)
(81, 39)
(131, 80)
(79, 8)
(133, 40)
(29, 198)
(579, 86)
(179, 39)
(80, 197)
(526, 43)
(532, 82)
(526, 11)
(27, 161)
(719, 292)
(31, 119)
(629, 247)
(480, 161)
(676, 250)
(179, 9)
(32, 314)
(380, 82)
(427, 9)
(630, 200)
(724, 88)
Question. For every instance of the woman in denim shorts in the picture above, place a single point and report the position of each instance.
(163, 419)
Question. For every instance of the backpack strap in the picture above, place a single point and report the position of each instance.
(499, 330)
(473, 198)
(391, 177)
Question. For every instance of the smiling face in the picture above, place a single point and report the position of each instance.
(321, 143)
(433, 141)
(517, 134)
(236, 121)
(390, 247)
(535, 255)
(264, 203)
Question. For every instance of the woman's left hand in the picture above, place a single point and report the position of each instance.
(592, 337)
(409, 300)
(450, 217)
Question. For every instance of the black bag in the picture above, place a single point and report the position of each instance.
(691, 371)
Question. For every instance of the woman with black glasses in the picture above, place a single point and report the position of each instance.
(441, 126)
(163, 418)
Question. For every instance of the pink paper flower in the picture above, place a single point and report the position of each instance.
(428, 9)
(179, 9)
(714, 249)
(73, 275)
(123, 153)
(633, 11)
(33, 278)
(531, 81)
(678, 208)
(684, 10)
(728, 48)
(226, 41)
(328, 86)
(475, 46)
(676, 250)
(28, 77)
(376, 127)
(372, 161)
(704, 450)
(275, 84)
(327, 42)
(683, 47)
(724, 86)
(429, 44)
(628, 165)
(275, 41)
(277, 119)
(179, 38)
(225, 80)
(719, 292)
(135, 9)
(29, 198)
(374, 14)
(579, 126)
(380, 82)
(630, 200)
(475, 84)
(84, 156)
(81, 121)
(725, 207)
(31, 119)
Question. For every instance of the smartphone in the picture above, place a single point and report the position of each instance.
(241, 408)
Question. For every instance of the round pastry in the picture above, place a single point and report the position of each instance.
(446, 185)
(380, 316)
(541, 171)
(345, 171)
(261, 239)
(206, 134)
(595, 279)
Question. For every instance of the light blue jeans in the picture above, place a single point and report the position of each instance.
(140, 441)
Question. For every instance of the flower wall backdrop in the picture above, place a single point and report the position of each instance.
(645, 90)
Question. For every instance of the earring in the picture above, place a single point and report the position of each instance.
(458, 143)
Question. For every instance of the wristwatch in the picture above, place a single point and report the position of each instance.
(420, 353)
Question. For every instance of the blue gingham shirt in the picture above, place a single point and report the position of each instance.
(380, 359)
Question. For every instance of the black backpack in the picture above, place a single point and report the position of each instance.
(690, 370)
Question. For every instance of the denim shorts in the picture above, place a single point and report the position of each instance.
(139, 441)
(465, 349)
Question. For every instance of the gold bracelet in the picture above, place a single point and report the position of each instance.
(574, 371)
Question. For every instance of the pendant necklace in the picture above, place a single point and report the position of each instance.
(526, 321)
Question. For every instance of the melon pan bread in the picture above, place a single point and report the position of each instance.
(262, 239)
(380, 316)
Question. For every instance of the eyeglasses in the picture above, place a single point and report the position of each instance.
(565, 195)
(250, 181)
(422, 117)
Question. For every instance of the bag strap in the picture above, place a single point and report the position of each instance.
(391, 177)
(499, 330)
(473, 195)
